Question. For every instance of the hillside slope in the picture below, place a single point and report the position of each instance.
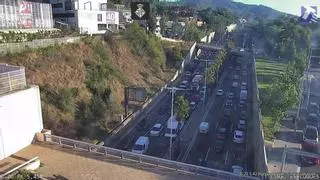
(82, 84)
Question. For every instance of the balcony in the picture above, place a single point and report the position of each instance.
(11, 78)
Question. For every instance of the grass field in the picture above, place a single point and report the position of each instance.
(267, 71)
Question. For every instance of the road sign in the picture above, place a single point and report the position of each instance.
(112, 17)
(140, 9)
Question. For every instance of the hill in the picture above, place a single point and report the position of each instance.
(251, 11)
(82, 84)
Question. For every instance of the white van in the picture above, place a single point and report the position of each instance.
(172, 126)
(141, 145)
(204, 128)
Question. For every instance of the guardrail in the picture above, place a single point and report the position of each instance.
(2, 176)
(157, 162)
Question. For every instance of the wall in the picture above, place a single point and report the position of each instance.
(21, 119)
(260, 157)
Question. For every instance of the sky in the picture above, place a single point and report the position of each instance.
(288, 6)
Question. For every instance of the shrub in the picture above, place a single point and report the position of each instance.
(66, 100)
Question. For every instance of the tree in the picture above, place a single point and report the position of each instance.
(193, 33)
(182, 106)
(24, 175)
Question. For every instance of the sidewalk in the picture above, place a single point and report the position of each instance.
(285, 136)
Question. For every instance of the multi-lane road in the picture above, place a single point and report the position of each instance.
(159, 146)
(203, 149)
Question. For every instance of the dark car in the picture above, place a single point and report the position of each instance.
(238, 153)
(309, 161)
(227, 112)
(243, 114)
(221, 133)
(219, 146)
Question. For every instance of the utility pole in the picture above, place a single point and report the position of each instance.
(205, 77)
(173, 90)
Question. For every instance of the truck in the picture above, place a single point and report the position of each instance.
(172, 126)
(196, 82)
(243, 95)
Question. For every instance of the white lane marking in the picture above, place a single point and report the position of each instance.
(226, 159)
(207, 154)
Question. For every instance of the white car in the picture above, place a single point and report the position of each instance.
(235, 84)
(204, 128)
(237, 170)
(243, 84)
(220, 92)
(156, 130)
(242, 50)
(238, 136)
(310, 135)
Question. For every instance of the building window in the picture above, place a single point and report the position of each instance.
(87, 6)
(68, 5)
(58, 5)
(102, 27)
(99, 17)
(103, 7)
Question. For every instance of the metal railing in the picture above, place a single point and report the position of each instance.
(145, 159)
(18, 167)
(12, 80)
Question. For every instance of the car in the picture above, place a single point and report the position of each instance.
(241, 124)
(220, 92)
(230, 67)
(243, 88)
(203, 89)
(310, 135)
(227, 112)
(313, 108)
(237, 170)
(238, 136)
(193, 105)
(141, 145)
(156, 130)
(184, 84)
(244, 73)
(239, 153)
(236, 77)
(221, 133)
(237, 68)
(309, 161)
(228, 102)
(242, 104)
(230, 95)
(219, 146)
(244, 84)
(234, 84)
(204, 128)
(243, 114)
(242, 50)
(188, 74)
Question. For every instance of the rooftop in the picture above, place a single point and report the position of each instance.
(63, 163)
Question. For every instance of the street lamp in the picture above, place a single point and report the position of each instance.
(205, 77)
(173, 90)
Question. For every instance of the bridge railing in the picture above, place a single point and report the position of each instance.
(157, 162)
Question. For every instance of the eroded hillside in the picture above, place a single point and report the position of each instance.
(82, 84)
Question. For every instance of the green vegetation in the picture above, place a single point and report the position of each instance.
(15, 37)
(212, 70)
(183, 107)
(216, 20)
(267, 71)
(24, 175)
(193, 33)
(146, 43)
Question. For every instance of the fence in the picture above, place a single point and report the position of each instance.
(39, 43)
(149, 160)
(260, 157)
(11, 78)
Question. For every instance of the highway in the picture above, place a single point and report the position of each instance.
(203, 148)
(159, 146)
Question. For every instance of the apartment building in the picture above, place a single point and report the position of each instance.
(89, 16)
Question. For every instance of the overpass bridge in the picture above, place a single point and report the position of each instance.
(209, 47)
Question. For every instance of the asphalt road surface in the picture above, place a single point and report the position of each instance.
(160, 114)
(202, 152)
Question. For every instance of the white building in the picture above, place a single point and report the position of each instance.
(89, 16)
(20, 111)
